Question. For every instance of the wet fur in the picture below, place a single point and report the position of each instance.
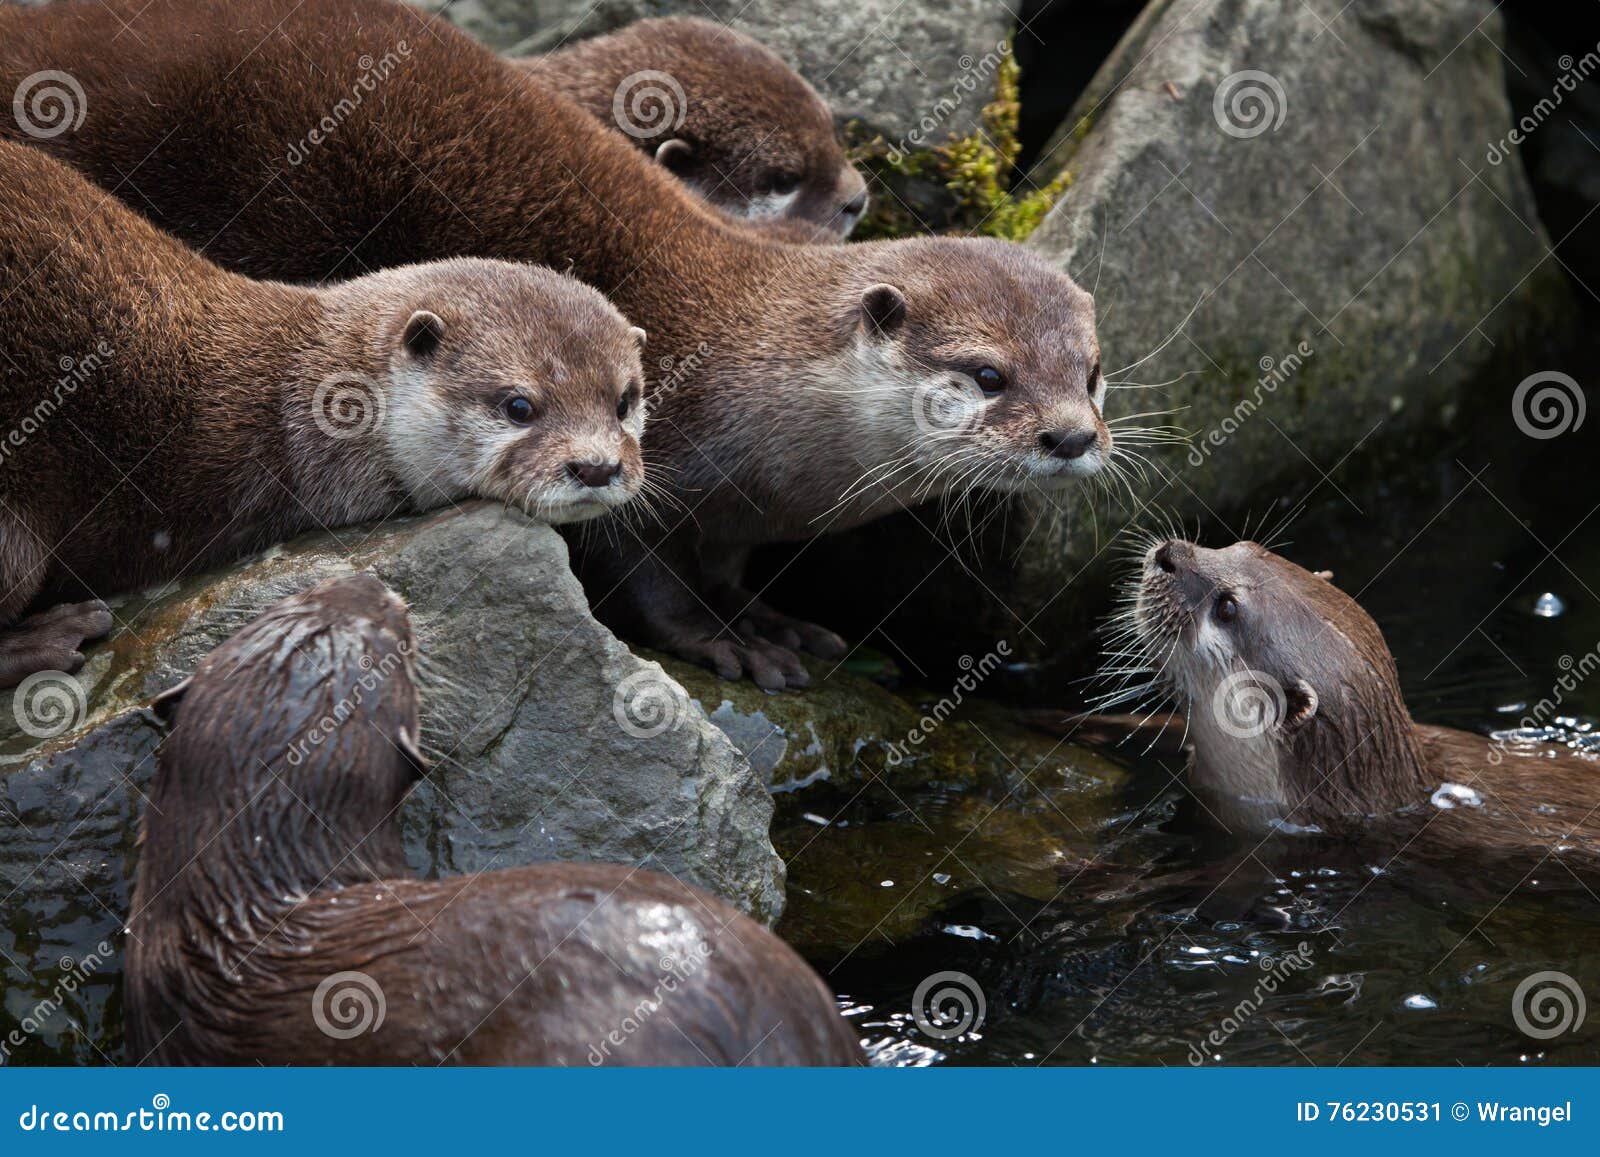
(262, 873)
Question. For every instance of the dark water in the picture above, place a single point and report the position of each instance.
(1298, 954)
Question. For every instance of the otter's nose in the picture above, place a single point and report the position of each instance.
(594, 474)
(1067, 443)
(1172, 554)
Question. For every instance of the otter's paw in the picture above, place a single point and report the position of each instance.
(770, 667)
(756, 618)
(49, 641)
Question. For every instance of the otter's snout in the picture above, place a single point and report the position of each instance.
(1068, 444)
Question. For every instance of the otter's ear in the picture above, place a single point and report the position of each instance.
(424, 332)
(883, 308)
(1300, 705)
(165, 705)
(638, 335)
(675, 155)
(1325, 575)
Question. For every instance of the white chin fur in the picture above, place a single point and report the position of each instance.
(568, 505)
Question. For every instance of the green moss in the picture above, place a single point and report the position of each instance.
(964, 186)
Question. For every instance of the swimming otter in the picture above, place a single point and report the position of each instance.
(165, 415)
(275, 921)
(722, 112)
(798, 389)
(1297, 722)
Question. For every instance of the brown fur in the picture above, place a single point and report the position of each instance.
(761, 428)
(751, 128)
(162, 414)
(1349, 758)
(270, 860)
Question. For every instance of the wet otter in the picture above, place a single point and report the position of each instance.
(165, 415)
(274, 920)
(1297, 722)
(721, 111)
(798, 389)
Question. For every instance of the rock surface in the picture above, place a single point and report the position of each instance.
(539, 720)
(883, 63)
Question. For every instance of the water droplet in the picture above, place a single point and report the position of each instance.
(1417, 1000)
(886, 884)
(1451, 795)
(941, 877)
(1548, 605)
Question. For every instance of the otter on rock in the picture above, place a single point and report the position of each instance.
(275, 920)
(721, 111)
(1297, 723)
(798, 389)
(163, 415)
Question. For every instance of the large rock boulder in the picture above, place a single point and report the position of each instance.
(883, 63)
(1293, 210)
(551, 740)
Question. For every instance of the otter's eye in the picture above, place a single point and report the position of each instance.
(990, 380)
(625, 404)
(1094, 380)
(518, 409)
(785, 183)
(1227, 609)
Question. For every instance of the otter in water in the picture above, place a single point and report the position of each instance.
(723, 113)
(165, 415)
(275, 920)
(1297, 723)
(797, 389)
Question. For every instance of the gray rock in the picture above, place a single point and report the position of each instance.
(522, 694)
(884, 63)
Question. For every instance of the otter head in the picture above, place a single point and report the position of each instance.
(1294, 704)
(513, 382)
(978, 365)
(755, 139)
(292, 744)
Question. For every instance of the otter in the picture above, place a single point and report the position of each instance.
(722, 112)
(1297, 723)
(164, 415)
(796, 389)
(274, 919)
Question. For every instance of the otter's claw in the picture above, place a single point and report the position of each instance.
(49, 641)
